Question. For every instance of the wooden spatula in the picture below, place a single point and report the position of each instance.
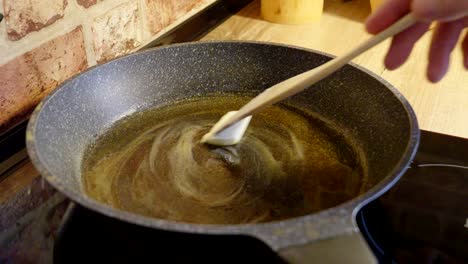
(225, 132)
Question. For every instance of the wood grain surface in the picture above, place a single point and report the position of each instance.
(19, 179)
(441, 107)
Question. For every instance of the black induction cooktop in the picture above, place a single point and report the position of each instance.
(424, 217)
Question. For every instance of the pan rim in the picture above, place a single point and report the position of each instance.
(263, 231)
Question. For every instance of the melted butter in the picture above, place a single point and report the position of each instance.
(288, 164)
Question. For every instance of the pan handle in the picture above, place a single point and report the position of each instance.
(347, 248)
(330, 237)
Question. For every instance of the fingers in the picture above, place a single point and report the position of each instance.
(443, 42)
(426, 10)
(441, 10)
(387, 14)
(465, 50)
(452, 16)
(402, 45)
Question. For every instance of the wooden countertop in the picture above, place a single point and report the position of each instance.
(441, 107)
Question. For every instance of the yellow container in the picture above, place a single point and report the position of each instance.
(375, 4)
(292, 11)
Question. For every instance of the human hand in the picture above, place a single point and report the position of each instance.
(451, 17)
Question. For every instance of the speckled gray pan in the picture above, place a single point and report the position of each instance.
(370, 109)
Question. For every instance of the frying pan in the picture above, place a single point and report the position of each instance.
(369, 109)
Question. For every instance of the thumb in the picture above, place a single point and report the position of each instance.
(441, 10)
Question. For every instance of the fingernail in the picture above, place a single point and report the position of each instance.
(434, 77)
(390, 65)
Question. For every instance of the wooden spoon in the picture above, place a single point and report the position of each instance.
(225, 132)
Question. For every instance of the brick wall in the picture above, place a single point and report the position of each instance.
(44, 42)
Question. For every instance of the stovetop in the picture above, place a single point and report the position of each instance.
(424, 217)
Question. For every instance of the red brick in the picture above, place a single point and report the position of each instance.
(25, 16)
(161, 13)
(24, 81)
(184, 6)
(116, 32)
(86, 3)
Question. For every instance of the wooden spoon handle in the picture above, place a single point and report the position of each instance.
(302, 81)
